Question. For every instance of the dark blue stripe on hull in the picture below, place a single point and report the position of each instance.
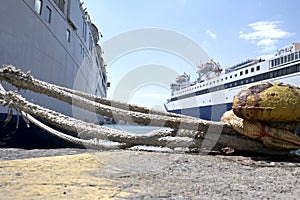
(213, 113)
(29, 138)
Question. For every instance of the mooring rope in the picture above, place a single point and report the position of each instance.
(120, 105)
(90, 130)
(269, 112)
(163, 137)
(26, 81)
(91, 143)
(187, 132)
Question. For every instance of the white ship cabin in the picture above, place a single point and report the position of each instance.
(211, 78)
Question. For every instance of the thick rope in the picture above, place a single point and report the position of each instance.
(120, 105)
(26, 81)
(162, 138)
(90, 130)
(91, 143)
(270, 136)
(189, 132)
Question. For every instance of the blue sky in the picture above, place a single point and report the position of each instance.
(228, 30)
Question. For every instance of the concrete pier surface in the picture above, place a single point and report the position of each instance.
(86, 174)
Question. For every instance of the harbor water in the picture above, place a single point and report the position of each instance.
(136, 129)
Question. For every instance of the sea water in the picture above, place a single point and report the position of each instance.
(136, 129)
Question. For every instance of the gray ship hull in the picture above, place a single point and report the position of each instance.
(57, 43)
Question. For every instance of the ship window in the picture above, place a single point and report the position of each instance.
(279, 72)
(241, 73)
(60, 4)
(285, 58)
(68, 35)
(48, 14)
(281, 60)
(225, 78)
(283, 71)
(84, 29)
(90, 42)
(38, 6)
(235, 75)
(291, 69)
(298, 68)
(257, 67)
(252, 69)
(292, 56)
(230, 76)
(246, 71)
(296, 55)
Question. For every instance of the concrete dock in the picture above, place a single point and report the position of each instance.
(85, 174)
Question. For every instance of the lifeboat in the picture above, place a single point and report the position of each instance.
(210, 66)
(183, 78)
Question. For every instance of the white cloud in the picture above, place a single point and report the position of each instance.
(266, 34)
(211, 34)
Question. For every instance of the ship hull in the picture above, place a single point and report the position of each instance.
(18, 135)
(52, 45)
(211, 113)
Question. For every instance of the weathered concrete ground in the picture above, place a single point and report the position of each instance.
(142, 175)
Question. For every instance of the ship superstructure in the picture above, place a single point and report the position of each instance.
(212, 93)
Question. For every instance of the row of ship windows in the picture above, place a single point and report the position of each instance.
(38, 7)
(209, 101)
(260, 77)
(48, 16)
(285, 59)
(246, 71)
(38, 4)
(48, 12)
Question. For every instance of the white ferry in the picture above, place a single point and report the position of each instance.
(212, 93)
(57, 42)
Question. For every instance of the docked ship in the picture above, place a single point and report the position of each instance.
(212, 93)
(55, 41)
